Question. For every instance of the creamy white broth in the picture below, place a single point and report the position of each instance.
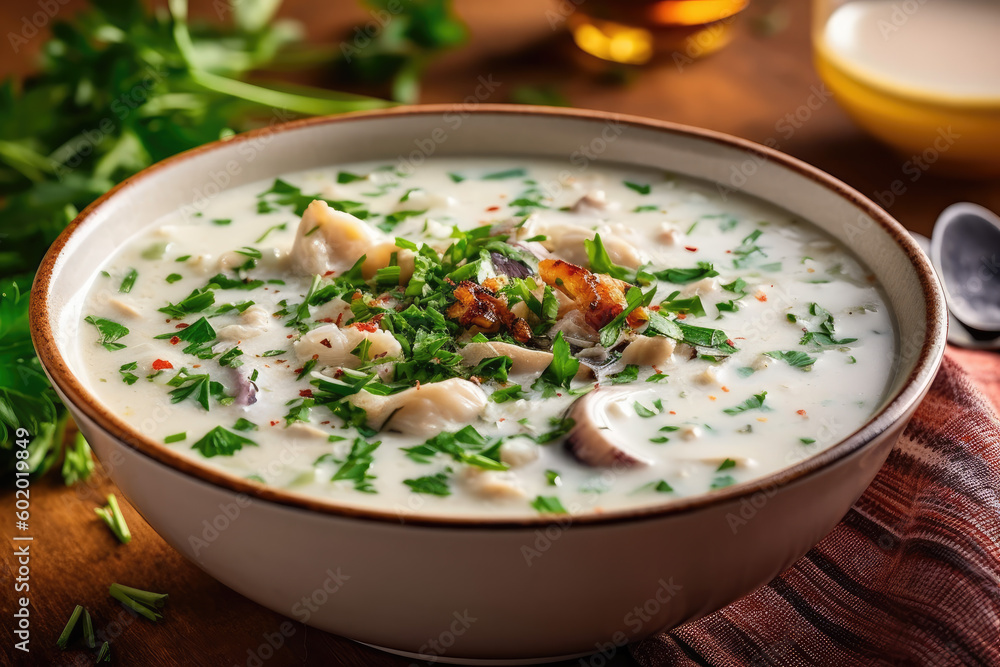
(675, 432)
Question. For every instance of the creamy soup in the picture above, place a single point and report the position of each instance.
(488, 337)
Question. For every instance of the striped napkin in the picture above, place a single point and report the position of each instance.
(911, 576)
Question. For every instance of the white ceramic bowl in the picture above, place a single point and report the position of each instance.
(458, 589)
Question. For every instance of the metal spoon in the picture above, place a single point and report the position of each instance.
(965, 252)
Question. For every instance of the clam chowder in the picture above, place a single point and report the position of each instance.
(488, 337)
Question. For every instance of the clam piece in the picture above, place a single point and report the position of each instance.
(254, 321)
(124, 308)
(649, 351)
(491, 484)
(589, 439)
(331, 345)
(329, 242)
(565, 241)
(425, 410)
(526, 361)
(516, 453)
(595, 200)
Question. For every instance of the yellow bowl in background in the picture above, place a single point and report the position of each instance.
(961, 135)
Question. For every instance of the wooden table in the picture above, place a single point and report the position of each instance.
(748, 89)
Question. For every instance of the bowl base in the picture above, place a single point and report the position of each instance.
(456, 660)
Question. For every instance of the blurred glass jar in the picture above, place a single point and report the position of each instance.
(921, 75)
(633, 32)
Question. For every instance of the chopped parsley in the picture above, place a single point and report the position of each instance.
(755, 402)
(629, 374)
(638, 187)
(348, 177)
(645, 412)
(464, 446)
(512, 393)
(726, 465)
(560, 372)
(659, 486)
(128, 281)
(355, 467)
(127, 376)
(722, 481)
(244, 425)
(517, 172)
(824, 336)
(435, 485)
(684, 276)
(195, 302)
(109, 332)
(231, 358)
(612, 331)
(221, 442)
(794, 358)
(200, 388)
(548, 505)
(691, 305)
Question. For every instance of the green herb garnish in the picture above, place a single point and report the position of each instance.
(221, 442)
(112, 516)
(109, 332)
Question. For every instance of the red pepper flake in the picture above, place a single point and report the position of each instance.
(654, 307)
(340, 318)
(690, 248)
(161, 365)
(196, 366)
(337, 373)
(328, 273)
(725, 389)
(729, 251)
(299, 370)
(274, 423)
(182, 325)
(306, 393)
(801, 412)
(681, 316)
(326, 422)
(328, 320)
(325, 343)
(493, 208)
(730, 343)
(174, 340)
(288, 336)
(370, 327)
(673, 412)
(760, 296)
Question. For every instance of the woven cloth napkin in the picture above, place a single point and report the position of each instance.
(911, 576)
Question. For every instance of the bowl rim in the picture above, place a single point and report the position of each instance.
(905, 400)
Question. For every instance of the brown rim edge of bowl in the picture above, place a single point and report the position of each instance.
(915, 385)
